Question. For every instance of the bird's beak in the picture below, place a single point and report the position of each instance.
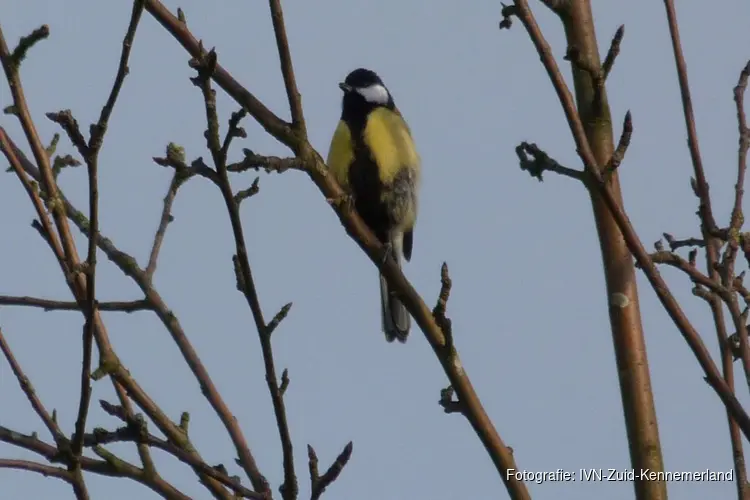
(346, 88)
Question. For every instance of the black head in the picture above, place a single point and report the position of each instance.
(364, 91)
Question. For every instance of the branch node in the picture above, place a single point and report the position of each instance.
(622, 144)
(185, 422)
(449, 404)
(239, 280)
(246, 193)
(280, 316)
(284, 381)
(613, 52)
(438, 312)
(26, 42)
(69, 124)
(320, 483)
(508, 11)
(540, 161)
(270, 164)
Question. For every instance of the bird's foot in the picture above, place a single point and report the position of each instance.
(387, 251)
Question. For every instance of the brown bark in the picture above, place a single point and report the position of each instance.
(619, 270)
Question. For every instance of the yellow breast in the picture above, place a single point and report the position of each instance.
(388, 137)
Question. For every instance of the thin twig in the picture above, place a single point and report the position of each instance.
(287, 69)
(164, 220)
(320, 483)
(94, 145)
(541, 162)
(28, 390)
(674, 243)
(253, 161)
(29, 466)
(59, 305)
(622, 145)
(205, 69)
(613, 52)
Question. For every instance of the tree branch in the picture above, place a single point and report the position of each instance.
(287, 70)
(289, 489)
(59, 305)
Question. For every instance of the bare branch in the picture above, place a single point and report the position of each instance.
(253, 161)
(287, 70)
(674, 243)
(59, 305)
(166, 217)
(26, 42)
(45, 470)
(92, 161)
(206, 67)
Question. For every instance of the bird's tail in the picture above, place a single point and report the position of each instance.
(396, 319)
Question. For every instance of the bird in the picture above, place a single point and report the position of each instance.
(374, 159)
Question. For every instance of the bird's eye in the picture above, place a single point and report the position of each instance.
(375, 94)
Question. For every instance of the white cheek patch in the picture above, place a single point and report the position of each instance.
(375, 94)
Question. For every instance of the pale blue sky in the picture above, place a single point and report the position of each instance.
(528, 303)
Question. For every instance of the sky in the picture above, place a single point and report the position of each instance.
(528, 304)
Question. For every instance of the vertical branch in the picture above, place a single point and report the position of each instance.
(206, 66)
(736, 221)
(91, 156)
(624, 312)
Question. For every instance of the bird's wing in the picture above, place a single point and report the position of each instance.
(341, 154)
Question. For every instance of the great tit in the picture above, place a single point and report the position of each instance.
(374, 159)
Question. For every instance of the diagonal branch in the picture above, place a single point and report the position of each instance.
(315, 167)
(166, 217)
(28, 389)
(96, 139)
